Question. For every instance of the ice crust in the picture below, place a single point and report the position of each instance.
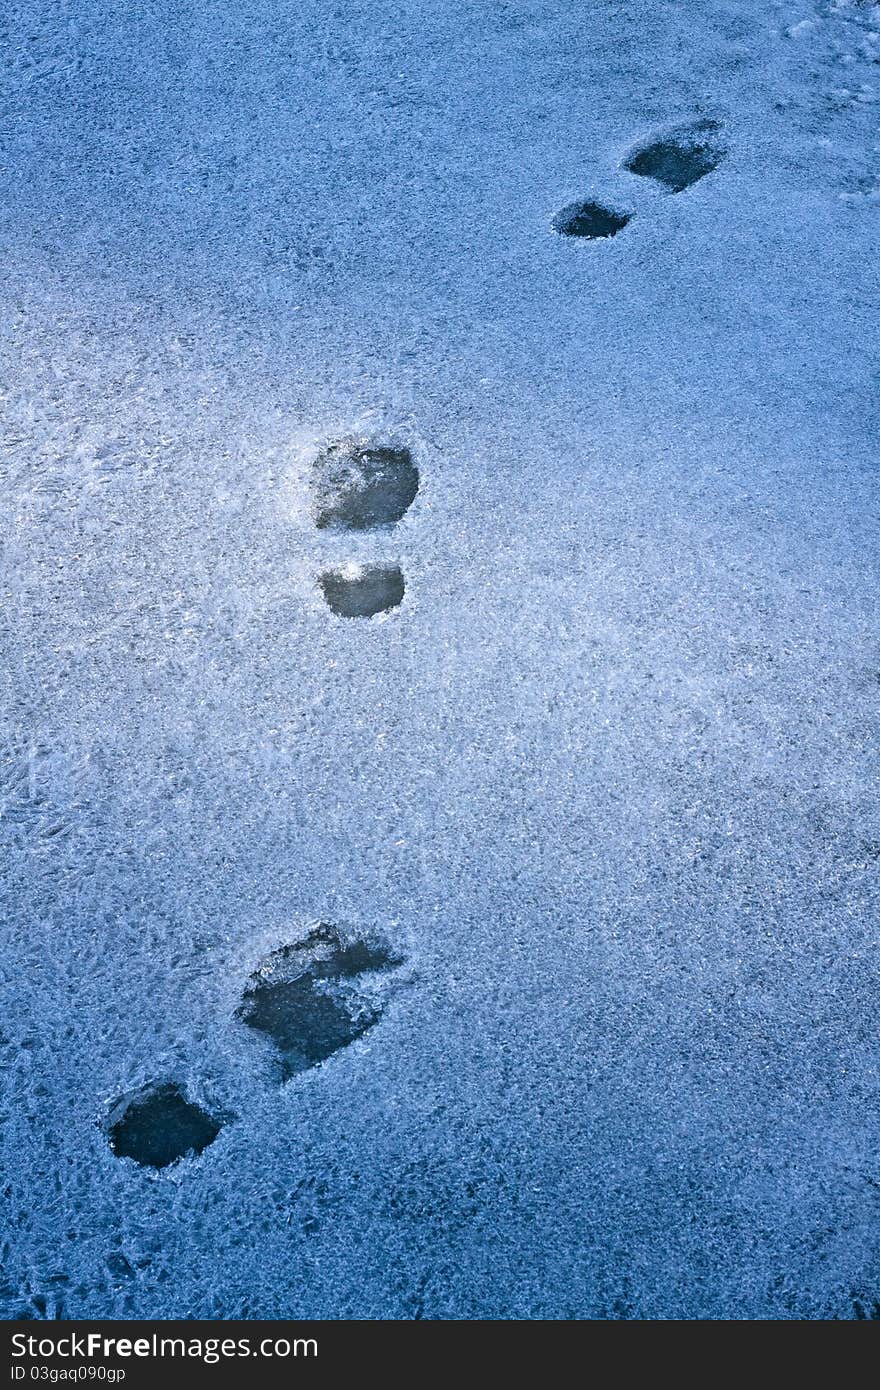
(606, 780)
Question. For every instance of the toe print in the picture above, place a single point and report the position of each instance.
(306, 998)
(681, 160)
(361, 487)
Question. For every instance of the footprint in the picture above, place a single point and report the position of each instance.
(361, 487)
(362, 591)
(305, 997)
(158, 1125)
(589, 220)
(678, 161)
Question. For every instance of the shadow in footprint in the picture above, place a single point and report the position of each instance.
(679, 160)
(305, 998)
(158, 1125)
(866, 1309)
(589, 220)
(357, 592)
(361, 487)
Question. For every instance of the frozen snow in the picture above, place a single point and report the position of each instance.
(605, 781)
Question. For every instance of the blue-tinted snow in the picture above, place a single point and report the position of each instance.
(607, 778)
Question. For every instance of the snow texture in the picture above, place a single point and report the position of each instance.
(605, 782)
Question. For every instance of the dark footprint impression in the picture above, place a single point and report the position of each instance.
(360, 487)
(158, 1125)
(358, 592)
(589, 220)
(680, 160)
(305, 998)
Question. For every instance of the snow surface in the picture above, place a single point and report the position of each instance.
(607, 777)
